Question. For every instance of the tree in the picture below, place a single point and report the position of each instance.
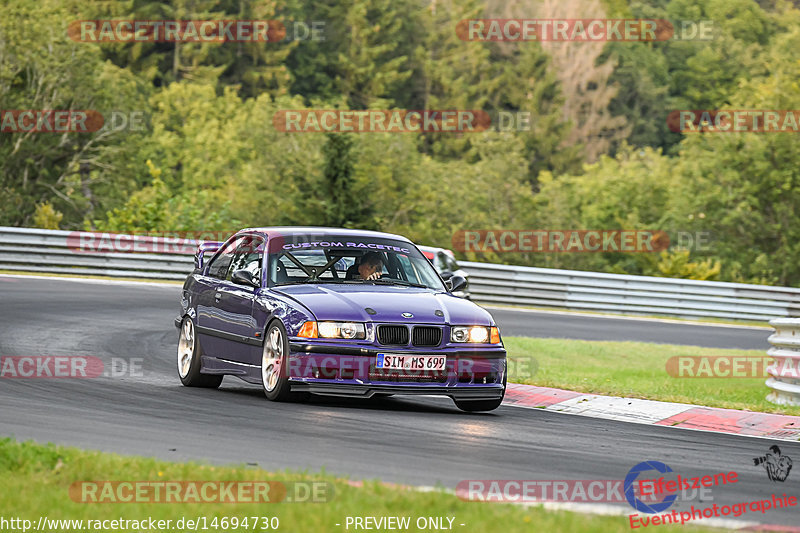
(487, 76)
(251, 67)
(343, 202)
(585, 81)
(365, 56)
(43, 70)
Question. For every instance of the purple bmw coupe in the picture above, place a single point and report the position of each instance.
(334, 312)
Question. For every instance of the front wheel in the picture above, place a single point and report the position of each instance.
(190, 359)
(274, 363)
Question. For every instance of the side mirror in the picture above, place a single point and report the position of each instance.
(456, 283)
(446, 275)
(243, 277)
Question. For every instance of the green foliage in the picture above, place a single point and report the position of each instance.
(155, 209)
(44, 70)
(209, 157)
(365, 54)
(342, 201)
(46, 217)
(676, 264)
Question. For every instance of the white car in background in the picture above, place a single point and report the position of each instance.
(444, 261)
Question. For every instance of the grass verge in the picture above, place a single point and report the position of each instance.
(635, 370)
(36, 481)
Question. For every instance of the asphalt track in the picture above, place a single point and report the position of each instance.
(425, 441)
(527, 323)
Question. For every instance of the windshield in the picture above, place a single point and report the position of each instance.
(332, 259)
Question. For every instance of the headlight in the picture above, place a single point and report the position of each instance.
(476, 334)
(342, 330)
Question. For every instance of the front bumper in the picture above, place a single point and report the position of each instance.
(335, 369)
(457, 392)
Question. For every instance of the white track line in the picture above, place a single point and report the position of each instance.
(165, 283)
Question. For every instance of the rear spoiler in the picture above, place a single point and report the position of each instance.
(204, 248)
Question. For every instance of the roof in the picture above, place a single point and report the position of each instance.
(429, 251)
(286, 231)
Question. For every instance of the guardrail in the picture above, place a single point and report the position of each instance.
(60, 252)
(784, 373)
(618, 293)
(52, 251)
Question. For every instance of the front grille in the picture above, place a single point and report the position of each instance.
(426, 336)
(397, 335)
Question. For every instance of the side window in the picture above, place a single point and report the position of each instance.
(440, 263)
(248, 256)
(452, 266)
(219, 266)
(407, 270)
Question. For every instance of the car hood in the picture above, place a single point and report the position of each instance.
(349, 303)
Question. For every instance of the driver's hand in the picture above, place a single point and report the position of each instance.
(374, 275)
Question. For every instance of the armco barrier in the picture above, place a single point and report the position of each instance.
(784, 373)
(618, 293)
(36, 250)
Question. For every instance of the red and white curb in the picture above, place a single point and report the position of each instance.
(681, 415)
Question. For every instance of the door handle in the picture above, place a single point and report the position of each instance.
(217, 296)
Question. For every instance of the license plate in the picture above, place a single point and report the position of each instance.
(391, 361)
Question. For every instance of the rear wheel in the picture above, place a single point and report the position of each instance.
(190, 359)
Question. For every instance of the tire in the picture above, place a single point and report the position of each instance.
(190, 359)
(274, 363)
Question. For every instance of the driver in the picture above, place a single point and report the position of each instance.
(369, 268)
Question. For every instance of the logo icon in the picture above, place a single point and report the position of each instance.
(630, 481)
(407, 315)
(777, 465)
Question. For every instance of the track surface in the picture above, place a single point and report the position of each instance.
(598, 328)
(423, 441)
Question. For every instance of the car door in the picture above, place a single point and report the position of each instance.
(211, 324)
(234, 303)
